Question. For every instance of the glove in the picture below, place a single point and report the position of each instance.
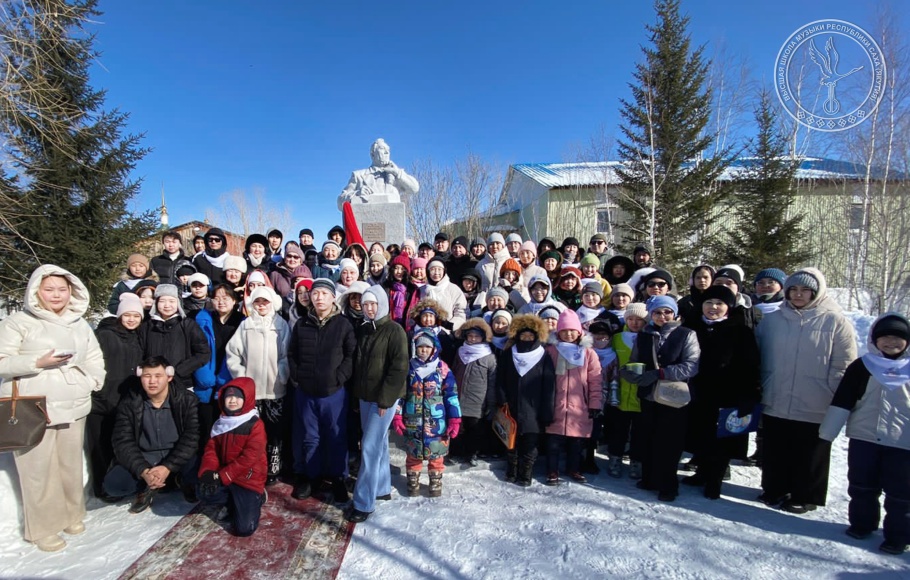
(398, 424)
(208, 484)
(645, 378)
(594, 413)
(453, 428)
(744, 409)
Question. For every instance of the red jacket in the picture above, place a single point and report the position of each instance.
(239, 455)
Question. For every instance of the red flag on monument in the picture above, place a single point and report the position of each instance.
(351, 231)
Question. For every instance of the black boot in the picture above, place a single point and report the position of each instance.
(302, 488)
(526, 468)
(512, 467)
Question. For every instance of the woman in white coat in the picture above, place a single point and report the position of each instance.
(805, 348)
(52, 351)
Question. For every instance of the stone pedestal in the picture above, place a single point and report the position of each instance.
(380, 222)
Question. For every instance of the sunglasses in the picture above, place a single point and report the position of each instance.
(656, 284)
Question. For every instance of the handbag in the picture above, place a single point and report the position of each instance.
(23, 420)
(505, 427)
(670, 393)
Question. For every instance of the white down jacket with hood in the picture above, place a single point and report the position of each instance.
(28, 335)
(804, 353)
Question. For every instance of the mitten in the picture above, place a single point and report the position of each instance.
(594, 413)
(398, 424)
(629, 376)
(208, 484)
(453, 428)
(649, 377)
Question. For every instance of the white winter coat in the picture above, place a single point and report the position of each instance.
(28, 335)
(488, 269)
(259, 350)
(804, 354)
(450, 297)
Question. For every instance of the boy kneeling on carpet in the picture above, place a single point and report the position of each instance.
(234, 468)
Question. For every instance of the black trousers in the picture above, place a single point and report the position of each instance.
(467, 444)
(525, 451)
(622, 428)
(274, 416)
(872, 469)
(572, 445)
(99, 430)
(795, 461)
(208, 413)
(663, 431)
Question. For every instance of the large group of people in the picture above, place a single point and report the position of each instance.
(217, 375)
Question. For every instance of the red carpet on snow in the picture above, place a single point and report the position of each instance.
(295, 539)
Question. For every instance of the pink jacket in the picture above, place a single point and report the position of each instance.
(578, 389)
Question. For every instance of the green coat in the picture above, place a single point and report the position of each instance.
(380, 363)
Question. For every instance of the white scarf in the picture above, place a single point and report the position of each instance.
(710, 322)
(891, 374)
(468, 353)
(227, 423)
(525, 360)
(573, 353)
(219, 261)
(586, 314)
(768, 307)
(254, 261)
(605, 356)
(427, 368)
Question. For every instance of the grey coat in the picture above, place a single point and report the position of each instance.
(476, 383)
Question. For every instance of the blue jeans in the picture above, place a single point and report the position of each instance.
(320, 435)
(244, 505)
(375, 477)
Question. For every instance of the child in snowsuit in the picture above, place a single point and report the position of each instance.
(475, 375)
(873, 399)
(259, 350)
(233, 469)
(578, 396)
(429, 416)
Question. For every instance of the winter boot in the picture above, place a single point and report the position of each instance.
(512, 467)
(413, 483)
(302, 488)
(524, 473)
(435, 483)
(588, 465)
(614, 468)
(635, 470)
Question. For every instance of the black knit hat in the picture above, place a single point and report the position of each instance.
(721, 293)
(730, 273)
(306, 231)
(891, 325)
(461, 241)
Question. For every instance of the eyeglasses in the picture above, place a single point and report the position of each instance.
(663, 312)
(656, 284)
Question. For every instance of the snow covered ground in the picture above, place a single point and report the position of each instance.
(483, 527)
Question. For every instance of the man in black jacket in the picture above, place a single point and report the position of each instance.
(165, 265)
(156, 435)
(320, 357)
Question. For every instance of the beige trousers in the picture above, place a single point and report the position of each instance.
(50, 477)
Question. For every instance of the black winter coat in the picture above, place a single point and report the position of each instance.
(728, 376)
(128, 426)
(321, 354)
(532, 397)
(122, 354)
(456, 268)
(202, 264)
(166, 269)
(181, 342)
(382, 362)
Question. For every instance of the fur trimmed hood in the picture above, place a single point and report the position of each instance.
(476, 323)
(442, 314)
(528, 322)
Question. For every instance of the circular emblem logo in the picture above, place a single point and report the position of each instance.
(830, 75)
(736, 424)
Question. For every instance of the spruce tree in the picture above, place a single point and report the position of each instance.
(669, 187)
(69, 162)
(766, 235)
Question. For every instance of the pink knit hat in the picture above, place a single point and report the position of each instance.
(418, 263)
(568, 320)
(529, 245)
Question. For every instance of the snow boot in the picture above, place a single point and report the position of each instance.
(435, 483)
(552, 479)
(302, 488)
(512, 467)
(614, 468)
(635, 470)
(524, 473)
(413, 483)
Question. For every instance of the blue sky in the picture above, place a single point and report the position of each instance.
(287, 96)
